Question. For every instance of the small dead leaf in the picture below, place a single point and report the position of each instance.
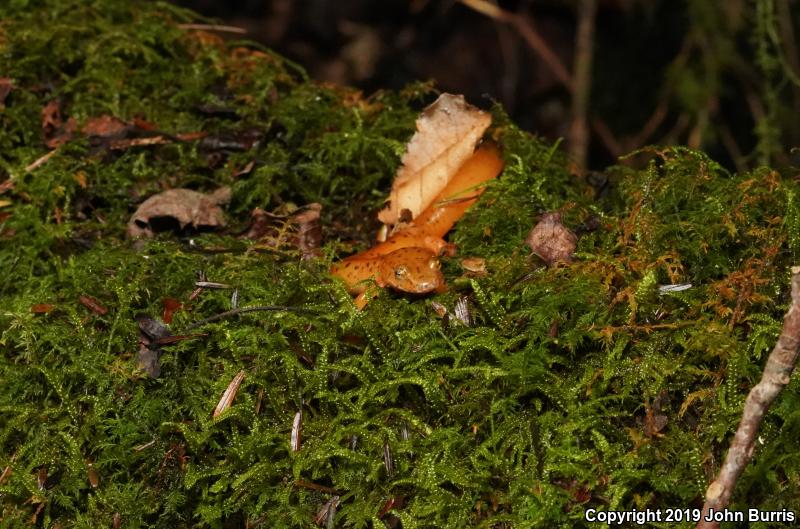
(6, 185)
(475, 266)
(230, 393)
(55, 131)
(42, 308)
(551, 240)
(447, 132)
(654, 423)
(147, 361)
(178, 208)
(388, 460)
(93, 305)
(151, 330)
(171, 306)
(105, 126)
(308, 230)
(300, 229)
(41, 477)
(91, 474)
(80, 178)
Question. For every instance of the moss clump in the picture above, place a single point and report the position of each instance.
(576, 387)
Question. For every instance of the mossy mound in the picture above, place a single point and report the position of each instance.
(576, 386)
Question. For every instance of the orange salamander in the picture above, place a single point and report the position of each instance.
(408, 259)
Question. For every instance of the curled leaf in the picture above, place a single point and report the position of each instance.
(447, 132)
(178, 208)
(551, 240)
(93, 305)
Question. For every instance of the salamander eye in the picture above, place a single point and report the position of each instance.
(400, 272)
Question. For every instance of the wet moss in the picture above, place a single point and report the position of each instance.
(576, 386)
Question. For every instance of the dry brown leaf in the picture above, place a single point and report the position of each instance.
(182, 206)
(105, 126)
(447, 132)
(551, 240)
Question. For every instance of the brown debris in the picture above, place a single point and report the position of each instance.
(93, 305)
(56, 132)
(230, 393)
(171, 306)
(300, 229)
(6, 85)
(105, 126)
(447, 132)
(777, 375)
(474, 266)
(183, 207)
(551, 240)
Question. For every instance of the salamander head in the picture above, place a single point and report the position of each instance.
(414, 270)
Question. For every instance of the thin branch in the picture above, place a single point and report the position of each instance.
(524, 26)
(214, 27)
(582, 82)
(776, 376)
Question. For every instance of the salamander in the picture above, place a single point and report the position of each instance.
(408, 259)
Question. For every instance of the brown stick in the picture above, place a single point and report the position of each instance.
(524, 27)
(582, 82)
(777, 374)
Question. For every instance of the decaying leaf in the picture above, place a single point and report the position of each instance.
(300, 229)
(171, 306)
(447, 132)
(178, 208)
(55, 131)
(474, 266)
(150, 332)
(230, 394)
(93, 305)
(106, 126)
(551, 240)
(93, 477)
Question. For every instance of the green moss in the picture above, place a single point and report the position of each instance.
(542, 408)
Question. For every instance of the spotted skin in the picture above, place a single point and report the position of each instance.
(408, 260)
(415, 270)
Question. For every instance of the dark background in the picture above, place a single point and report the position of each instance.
(701, 73)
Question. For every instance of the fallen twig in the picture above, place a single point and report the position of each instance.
(777, 374)
(582, 82)
(524, 27)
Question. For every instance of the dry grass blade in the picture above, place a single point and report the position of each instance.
(297, 427)
(230, 394)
